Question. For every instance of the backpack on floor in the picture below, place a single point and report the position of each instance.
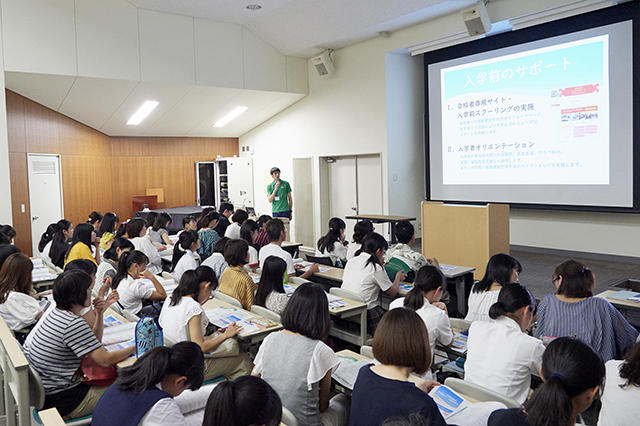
(148, 335)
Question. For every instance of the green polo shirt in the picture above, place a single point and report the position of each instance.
(280, 201)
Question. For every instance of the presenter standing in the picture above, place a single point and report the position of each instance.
(280, 195)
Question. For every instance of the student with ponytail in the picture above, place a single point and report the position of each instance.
(137, 233)
(44, 246)
(360, 230)
(184, 253)
(184, 311)
(333, 244)
(573, 311)
(245, 401)
(501, 356)
(365, 275)
(572, 374)
(143, 393)
(249, 233)
(84, 237)
(424, 298)
(109, 265)
(133, 291)
(107, 230)
(60, 242)
(158, 233)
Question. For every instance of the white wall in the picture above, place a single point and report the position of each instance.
(347, 114)
(5, 183)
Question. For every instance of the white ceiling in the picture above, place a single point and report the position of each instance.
(306, 27)
(183, 110)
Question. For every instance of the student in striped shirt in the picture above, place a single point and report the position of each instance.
(57, 347)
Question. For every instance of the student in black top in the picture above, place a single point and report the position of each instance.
(572, 374)
(9, 232)
(401, 345)
(225, 210)
(245, 401)
(6, 248)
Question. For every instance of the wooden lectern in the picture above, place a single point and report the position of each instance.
(468, 235)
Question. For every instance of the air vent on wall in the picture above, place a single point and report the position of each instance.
(43, 167)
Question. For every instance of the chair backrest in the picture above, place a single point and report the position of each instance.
(340, 292)
(226, 298)
(36, 389)
(322, 260)
(366, 350)
(168, 276)
(50, 417)
(460, 324)
(15, 375)
(288, 418)
(479, 393)
(265, 313)
(297, 280)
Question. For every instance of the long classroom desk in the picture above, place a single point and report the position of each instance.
(628, 308)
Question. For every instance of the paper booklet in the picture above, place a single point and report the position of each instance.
(347, 371)
(223, 317)
(118, 333)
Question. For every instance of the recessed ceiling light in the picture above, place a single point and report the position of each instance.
(233, 114)
(142, 113)
(254, 7)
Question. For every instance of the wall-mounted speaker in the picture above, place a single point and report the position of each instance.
(323, 64)
(477, 19)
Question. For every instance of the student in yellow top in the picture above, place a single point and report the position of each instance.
(235, 281)
(80, 248)
(107, 230)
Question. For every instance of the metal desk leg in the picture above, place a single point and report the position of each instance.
(363, 327)
(460, 294)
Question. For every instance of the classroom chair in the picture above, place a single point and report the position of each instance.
(321, 260)
(265, 313)
(297, 280)
(288, 418)
(168, 276)
(50, 417)
(367, 351)
(230, 300)
(479, 393)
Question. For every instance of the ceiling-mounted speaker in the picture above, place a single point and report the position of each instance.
(323, 64)
(477, 19)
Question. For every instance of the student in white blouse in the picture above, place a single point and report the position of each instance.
(424, 298)
(500, 355)
(249, 233)
(360, 230)
(19, 307)
(365, 275)
(183, 318)
(144, 393)
(109, 265)
(276, 233)
(233, 230)
(333, 244)
(184, 258)
(137, 233)
(621, 391)
(217, 261)
(135, 284)
(502, 269)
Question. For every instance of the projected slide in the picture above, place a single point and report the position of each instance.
(537, 117)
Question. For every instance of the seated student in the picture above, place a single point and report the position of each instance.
(44, 246)
(502, 269)
(109, 265)
(424, 298)
(235, 280)
(143, 393)
(95, 220)
(216, 260)
(571, 374)
(249, 232)
(360, 230)
(107, 230)
(121, 232)
(270, 292)
(262, 239)
(245, 401)
(401, 256)
(573, 311)
(276, 232)
(238, 218)
(365, 275)
(621, 391)
(184, 311)
(56, 347)
(84, 237)
(501, 356)
(132, 267)
(149, 221)
(189, 223)
(158, 233)
(401, 345)
(184, 254)
(137, 233)
(304, 385)
(225, 211)
(60, 242)
(6, 248)
(9, 232)
(333, 244)
(205, 211)
(19, 305)
(208, 235)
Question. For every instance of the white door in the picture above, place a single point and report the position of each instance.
(304, 224)
(45, 194)
(369, 176)
(240, 175)
(343, 195)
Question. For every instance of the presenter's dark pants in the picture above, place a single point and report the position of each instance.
(286, 214)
